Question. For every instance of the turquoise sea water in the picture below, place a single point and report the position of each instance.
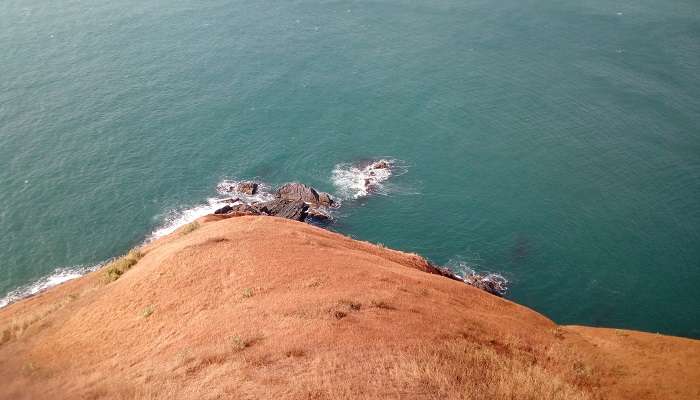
(555, 142)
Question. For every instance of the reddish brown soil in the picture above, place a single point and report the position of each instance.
(260, 307)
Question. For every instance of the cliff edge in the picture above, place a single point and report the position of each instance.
(259, 307)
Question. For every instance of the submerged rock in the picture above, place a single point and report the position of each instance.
(381, 164)
(246, 187)
(375, 173)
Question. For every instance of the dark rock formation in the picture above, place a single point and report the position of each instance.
(318, 214)
(292, 200)
(300, 192)
(325, 199)
(240, 209)
(246, 209)
(224, 210)
(291, 209)
(249, 188)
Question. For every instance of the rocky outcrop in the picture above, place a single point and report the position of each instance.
(307, 194)
(319, 204)
(290, 209)
(249, 188)
(318, 214)
(223, 210)
(238, 209)
(246, 209)
(293, 201)
(326, 200)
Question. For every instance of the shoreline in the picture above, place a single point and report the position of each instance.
(351, 179)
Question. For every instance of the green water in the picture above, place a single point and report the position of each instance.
(555, 142)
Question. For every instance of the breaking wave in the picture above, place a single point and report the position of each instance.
(176, 218)
(59, 276)
(227, 194)
(489, 281)
(357, 180)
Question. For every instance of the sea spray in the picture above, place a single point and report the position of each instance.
(361, 179)
(491, 282)
(227, 193)
(59, 275)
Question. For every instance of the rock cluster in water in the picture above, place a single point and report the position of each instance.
(292, 200)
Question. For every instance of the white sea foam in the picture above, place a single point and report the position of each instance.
(178, 217)
(226, 189)
(355, 181)
(58, 276)
(469, 274)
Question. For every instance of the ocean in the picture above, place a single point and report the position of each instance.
(556, 143)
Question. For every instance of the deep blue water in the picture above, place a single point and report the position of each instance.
(555, 142)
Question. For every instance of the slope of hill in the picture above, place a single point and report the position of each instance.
(261, 307)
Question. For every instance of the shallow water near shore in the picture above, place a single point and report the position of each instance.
(555, 143)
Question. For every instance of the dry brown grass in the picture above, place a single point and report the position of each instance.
(118, 267)
(382, 304)
(17, 326)
(189, 228)
(324, 318)
(148, 311)
(452, 369)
